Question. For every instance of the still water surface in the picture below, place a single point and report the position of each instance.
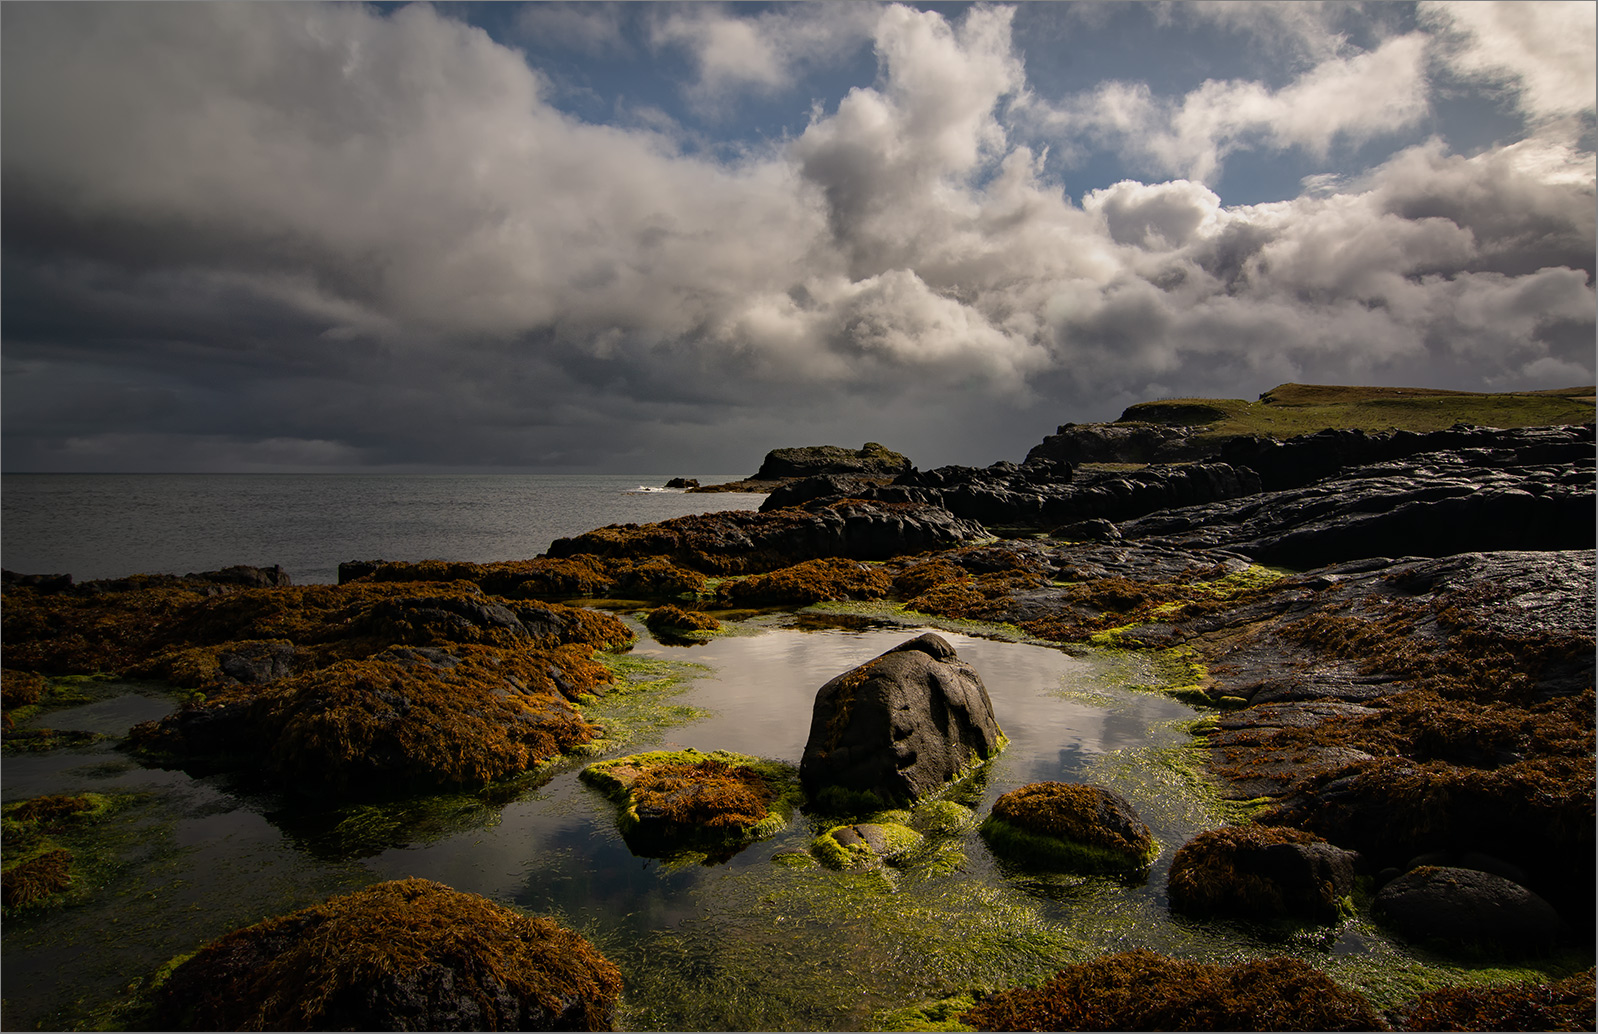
(749, 944)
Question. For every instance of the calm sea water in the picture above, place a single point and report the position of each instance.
(112, 525)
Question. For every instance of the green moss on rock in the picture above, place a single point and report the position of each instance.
(1069, 826)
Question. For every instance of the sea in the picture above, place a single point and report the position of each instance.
(113, 525)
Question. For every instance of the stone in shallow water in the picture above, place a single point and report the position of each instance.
(1468, 909)
(1072, 826)
(897, 728)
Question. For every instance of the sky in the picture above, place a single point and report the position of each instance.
(668, 237)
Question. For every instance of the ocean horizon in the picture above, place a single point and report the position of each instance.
(114, 525)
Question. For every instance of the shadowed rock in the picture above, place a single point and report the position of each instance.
(1467, 907)
(1260, 872)
(898, 727)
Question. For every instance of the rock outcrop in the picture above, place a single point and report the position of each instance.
(870, 460)
(742, 542)
(1526, 489)
(897, 728)
(404, 955)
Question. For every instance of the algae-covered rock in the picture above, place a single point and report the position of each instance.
(684, 800)
(897, 728)
(1553, 1005)
(863, 845)
(1261, 872)
(36, 867)
(409, 719)
(672, 621)
(1140, 990)
(1072, 826)
(403, 955)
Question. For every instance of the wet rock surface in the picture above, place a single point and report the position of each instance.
(898, 727)
(1467, 909)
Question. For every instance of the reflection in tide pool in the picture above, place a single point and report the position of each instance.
(747, 944)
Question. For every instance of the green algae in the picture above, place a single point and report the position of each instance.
(637, 707)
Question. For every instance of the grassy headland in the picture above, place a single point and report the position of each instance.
(1294, 409)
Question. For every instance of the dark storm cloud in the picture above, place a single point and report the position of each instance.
(255, 236)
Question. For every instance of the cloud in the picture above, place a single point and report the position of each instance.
(587, 28)
(1341, 100)
(764, 53)
(1546, 52)
(340, 237)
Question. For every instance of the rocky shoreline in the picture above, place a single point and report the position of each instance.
(1395, 633)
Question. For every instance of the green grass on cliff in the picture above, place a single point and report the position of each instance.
(1294, 409)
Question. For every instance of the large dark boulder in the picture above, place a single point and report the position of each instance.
(1142, 441)
(897, 728)
(403, 955)
(1468, 908)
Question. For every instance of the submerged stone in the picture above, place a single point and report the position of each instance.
(1073, 826)
(897, 728)
(864, 845)
(403, 955)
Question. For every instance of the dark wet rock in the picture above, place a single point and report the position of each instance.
(1506, 497)
(1042, 495)
(1130, 442)
(683, 483)
(1073, 826)
(1467, 909)
(1262, 873)
(429, 620)
(871, 460)
(44, 583)
(257, 662)
(248, 577)
(1469, 860)
(1303, 460)
(821, 486)
(1096, 530)
(741, 541)
(403, 955)
(898, 727)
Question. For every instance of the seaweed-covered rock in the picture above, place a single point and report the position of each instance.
(1075, 826)
(409, 719)
(1140, 990)
(672, 620)
(1469, 909)
(1261, 872)
(1554, 1005)
(897, 728)
(403, 955)
(812, 581)
(675, 801)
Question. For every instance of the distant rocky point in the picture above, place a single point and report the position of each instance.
(871, 460)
